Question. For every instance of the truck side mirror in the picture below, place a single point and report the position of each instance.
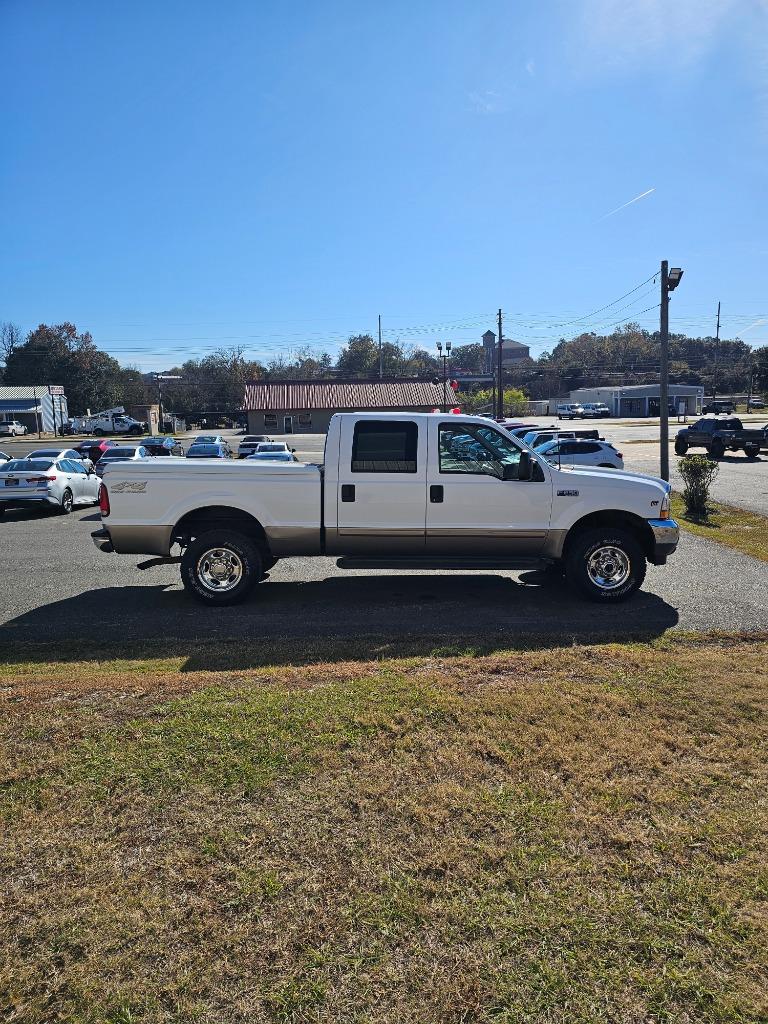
(524, 466)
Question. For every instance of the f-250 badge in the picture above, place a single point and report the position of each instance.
(131, 486)
(567, 494)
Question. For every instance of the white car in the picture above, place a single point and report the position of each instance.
(393, 487)
(570, 411)
(121, 453)
(595, 410)
(575, 451)
(272, 446)
(12, 428)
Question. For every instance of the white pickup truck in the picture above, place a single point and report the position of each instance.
(412, 489)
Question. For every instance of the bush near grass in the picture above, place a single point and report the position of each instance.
(697, 472)
(552, 836)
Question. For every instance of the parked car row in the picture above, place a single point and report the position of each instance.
(66, 477)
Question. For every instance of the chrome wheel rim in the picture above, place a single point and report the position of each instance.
(608, 567)
(67, 502)
(220, 570)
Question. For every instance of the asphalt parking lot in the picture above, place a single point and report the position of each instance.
(57, 588)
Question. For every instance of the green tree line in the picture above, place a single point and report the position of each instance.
(60, 354)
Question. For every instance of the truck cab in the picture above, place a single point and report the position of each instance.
(431, 488)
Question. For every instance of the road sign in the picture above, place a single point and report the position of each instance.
(55, 389)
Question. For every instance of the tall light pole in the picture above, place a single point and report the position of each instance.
(445, 357)
(670, 279)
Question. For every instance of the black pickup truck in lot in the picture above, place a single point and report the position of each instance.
(719, 435)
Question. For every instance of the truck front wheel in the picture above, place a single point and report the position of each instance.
(221, 567)
(680, 448)
(605, 565)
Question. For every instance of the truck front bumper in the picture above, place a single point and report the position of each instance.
(666, 534)
(102, 540)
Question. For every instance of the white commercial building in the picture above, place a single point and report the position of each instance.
(38, 407)
(643, 399)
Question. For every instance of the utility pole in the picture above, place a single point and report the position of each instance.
(717, 353)
(500, 412)
(751, 383)
(664, 383)
(381, 352)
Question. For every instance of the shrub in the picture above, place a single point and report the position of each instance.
(697, 472)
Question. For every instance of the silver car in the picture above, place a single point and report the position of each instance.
(61, 483)
(61, 453)
(121, 453)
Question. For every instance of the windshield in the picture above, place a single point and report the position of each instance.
(206, 439)
(273, 456)
(204, 449)
(44, 453)
(26, 465)
(271, 448)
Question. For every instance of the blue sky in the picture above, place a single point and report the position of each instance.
(176, 176)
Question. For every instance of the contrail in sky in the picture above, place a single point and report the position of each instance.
(625, 205)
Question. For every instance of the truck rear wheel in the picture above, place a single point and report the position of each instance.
(221, 567)
(717, 449)
(752, 451)
(605, 565)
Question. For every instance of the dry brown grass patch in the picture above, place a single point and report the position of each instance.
(576, 834)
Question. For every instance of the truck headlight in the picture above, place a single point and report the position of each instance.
(665, 507)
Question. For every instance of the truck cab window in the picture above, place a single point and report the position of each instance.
(380, 446)
(467, 448)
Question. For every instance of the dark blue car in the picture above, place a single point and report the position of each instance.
(163, 446)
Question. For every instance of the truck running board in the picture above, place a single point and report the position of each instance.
(161, 560)
(421, 562)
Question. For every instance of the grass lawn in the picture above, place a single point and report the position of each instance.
(572, 835)
(734, 527)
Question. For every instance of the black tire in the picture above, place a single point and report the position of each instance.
(67, 502)
(752, 451)
(98, 433)
(605, 465)
(681, 448)
(623, 561)
(2, 510)
(717, 449)
(238, 552)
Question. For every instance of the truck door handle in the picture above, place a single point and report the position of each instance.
(347, 492)
(435, 494)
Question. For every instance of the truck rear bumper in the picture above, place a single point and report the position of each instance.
(666, 535)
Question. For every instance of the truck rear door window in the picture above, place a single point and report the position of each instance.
(384, 447)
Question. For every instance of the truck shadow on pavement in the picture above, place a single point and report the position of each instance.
(333, 619)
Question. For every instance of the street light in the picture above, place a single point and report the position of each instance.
(445, 359)
(670, 279)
